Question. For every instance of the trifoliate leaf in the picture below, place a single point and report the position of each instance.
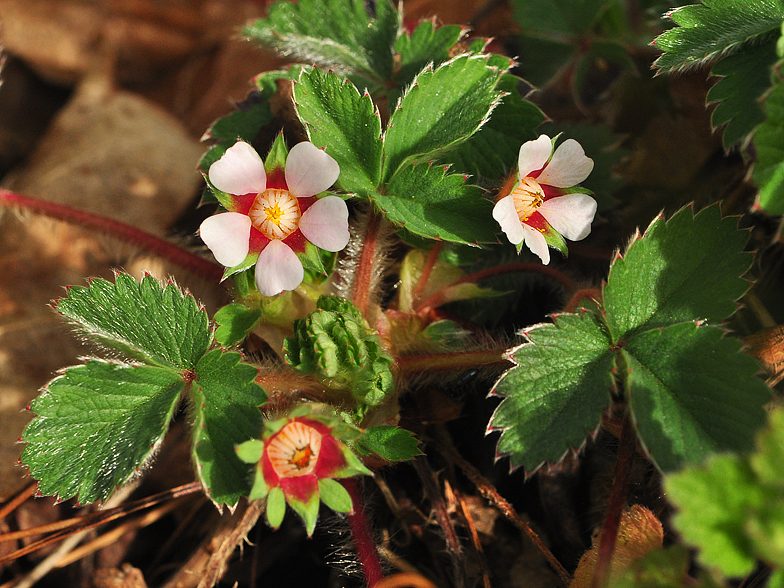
(226, 413)
(96, 426)
(427, 44)
(768, 171)
(344, 122)
(713, 504)
(430, 202)
(687, 268)
(234, 322)
(390, 443)
(556, 394)
(335, 34)
(745, 78)
(143, 320)
(692, 393)
(441, 109)
(492, 152)
(557, 18)
(714, 28)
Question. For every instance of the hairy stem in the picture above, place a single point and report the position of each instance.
(612, 518)
(439, 298)
(136, 237)
(451, 361)
(427, 270)
(364, 277)
(362, 534)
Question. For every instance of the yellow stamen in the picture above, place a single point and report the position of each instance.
(275, 213)
(528, 197)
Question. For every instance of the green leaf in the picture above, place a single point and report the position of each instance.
(714, 28)
(492, 152)
(97, 425)
(335, 34)
(661, 568)
(226, 412)
(745, 78)
(768, 461)
(768, 171)
(692, 393)
(389, 442)
(344, 122)
(334, 495)
(441, 109)
(556, 394)
(429, 202)
(713, 503)
(687, 268)
(425, 45)
(234, 322)
(557, 18)
(143, 320)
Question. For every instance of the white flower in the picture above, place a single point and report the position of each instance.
(270, 218)
(545, 205)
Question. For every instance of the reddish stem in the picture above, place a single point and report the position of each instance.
(612, 518)
(451, 361)
(362, 534)
(427, 270)
(160, 247)
(439, 297)
(364, 278)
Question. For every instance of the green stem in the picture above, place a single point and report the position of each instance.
(459, 360)
(362, 533)
(136, 237)
(439, 298)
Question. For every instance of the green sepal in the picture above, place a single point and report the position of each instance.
(353, 467)
(308, 510)
(276, 158)
(234, 321)
(335, 496)
(389, 442)
(250, 451)
(245, 264)
(555, 240)
(260, 489)
(276, 507)
(311, 259)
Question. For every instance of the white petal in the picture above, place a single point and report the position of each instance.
(568, 167)
(325, 224)
(278, 269)
(505, 213)
(239, 171)
(571, 215)
(533, 155)
(228, 236)
(309, 170)
(535, 241)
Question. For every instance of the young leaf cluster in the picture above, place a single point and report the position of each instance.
(653, 344)
(335, 344)
(98, 423)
